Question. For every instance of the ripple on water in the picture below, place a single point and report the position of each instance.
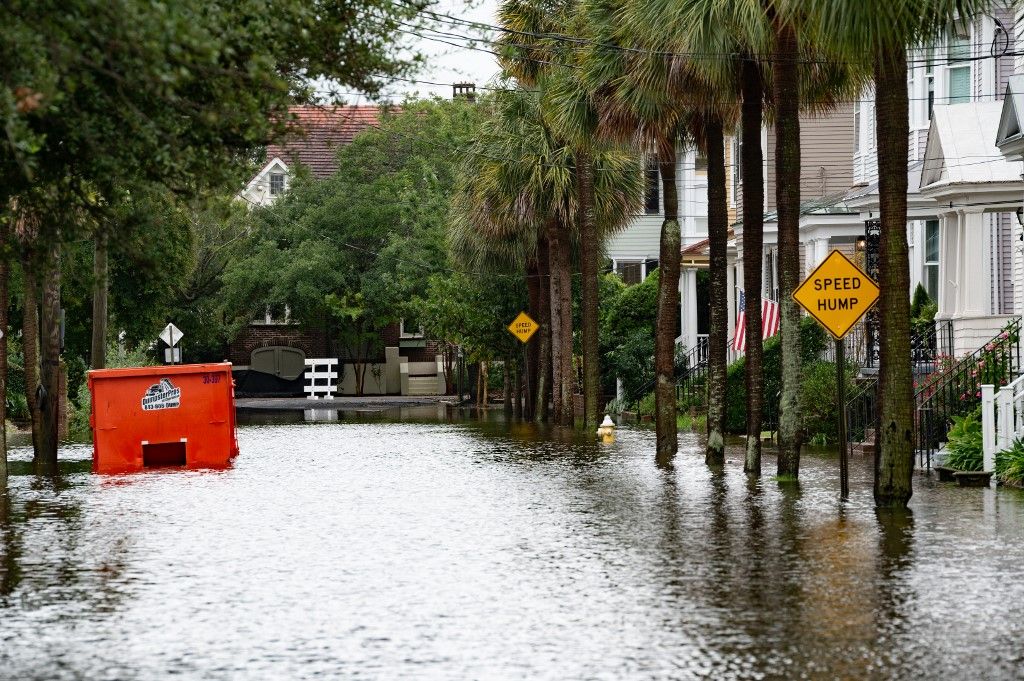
(481, 550)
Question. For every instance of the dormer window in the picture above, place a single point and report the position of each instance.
(276, 184)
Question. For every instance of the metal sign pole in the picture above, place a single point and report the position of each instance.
(844, 461)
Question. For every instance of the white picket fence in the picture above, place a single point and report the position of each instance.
(1002, 419)
(321, 378)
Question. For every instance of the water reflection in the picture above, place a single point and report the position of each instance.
(425, 544)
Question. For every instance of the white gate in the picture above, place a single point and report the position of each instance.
(321, 378)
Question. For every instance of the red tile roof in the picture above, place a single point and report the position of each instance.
(318, 131)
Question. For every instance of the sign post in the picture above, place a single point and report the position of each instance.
(837, 294)
(171, 335)
(523, 327)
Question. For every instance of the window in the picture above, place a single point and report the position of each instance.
(856, 127)
(931, 258)
(276, 184)
(700, 164)
(410, 328)
(652, 192)
(958, 73)
(630, 272)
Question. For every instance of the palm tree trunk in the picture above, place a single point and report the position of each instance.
(666, 430)
(49, 353)
(718, 227)
(590, 252)
(506, 389)
(894, 465)
(752, 169)
(5, 274)
(787, 200)
(543, 382)
(533, 288)
(98, 356)
(561, 324)
(30, 347)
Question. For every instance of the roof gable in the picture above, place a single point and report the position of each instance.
(960, 147)
(1010, 123)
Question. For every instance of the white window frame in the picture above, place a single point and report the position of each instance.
(270, 182)
(403, 334)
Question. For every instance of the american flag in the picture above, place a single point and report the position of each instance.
(769, 322)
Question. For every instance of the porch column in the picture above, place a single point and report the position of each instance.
(822, 251)
(975, 284)
(948, 226)
(730, 288)
(689, 308)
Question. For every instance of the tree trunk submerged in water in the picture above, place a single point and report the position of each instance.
(894, 464)
(590, 253)
(49, 353)
(30, 347)
(543, 383)
(668, 311)
(5, 275)
(718, 285)
(100, 288)
(787, 200)
(752, 169)
(562, 380)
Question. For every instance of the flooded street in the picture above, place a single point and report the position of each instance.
(376, 549)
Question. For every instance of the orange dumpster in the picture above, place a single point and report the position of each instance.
(154, 417)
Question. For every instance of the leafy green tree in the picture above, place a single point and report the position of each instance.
(353, 253)
(628, 323)
(180, 94)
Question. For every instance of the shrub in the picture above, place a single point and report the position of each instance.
(1010, 464)
(819, 401)
(118, 357)
(964, 443)
(812, 343)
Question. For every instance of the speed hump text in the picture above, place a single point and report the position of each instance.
(837, 294)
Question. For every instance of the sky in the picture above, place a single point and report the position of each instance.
(446, 63)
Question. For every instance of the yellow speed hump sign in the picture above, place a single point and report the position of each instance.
(523, 327)
(837, 294)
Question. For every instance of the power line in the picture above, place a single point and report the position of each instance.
(580, 42)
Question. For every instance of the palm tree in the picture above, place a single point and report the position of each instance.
(697, 37)
(536, 57)
(631, 90)
(521, 193)
(879, 32)
(709, 31)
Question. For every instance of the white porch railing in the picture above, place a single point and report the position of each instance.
(702, 348)
(1002, 419)
(321, 378)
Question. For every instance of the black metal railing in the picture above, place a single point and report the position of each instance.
(690, 368)
(929, 347)
(954, 389)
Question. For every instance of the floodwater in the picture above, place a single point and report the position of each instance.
(376, 548)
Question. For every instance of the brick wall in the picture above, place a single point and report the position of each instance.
(311, 341)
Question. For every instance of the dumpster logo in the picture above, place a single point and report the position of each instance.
(162, 395)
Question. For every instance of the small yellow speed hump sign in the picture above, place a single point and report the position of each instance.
(837, 294)
(522, 327)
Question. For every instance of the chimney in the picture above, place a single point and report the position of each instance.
(464, 90)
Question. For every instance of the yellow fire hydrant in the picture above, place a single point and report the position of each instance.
(606, 431)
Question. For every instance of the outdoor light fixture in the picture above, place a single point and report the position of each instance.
(861, 243)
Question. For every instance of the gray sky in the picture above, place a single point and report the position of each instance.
(448, 64)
